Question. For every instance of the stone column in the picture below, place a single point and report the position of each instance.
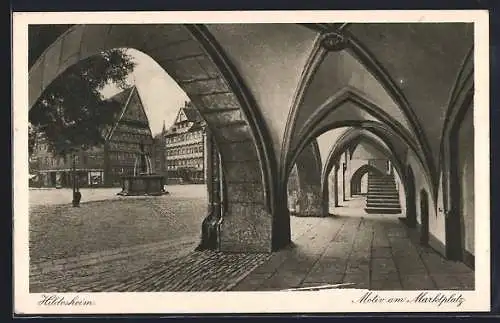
(344, 169)
(348, 164)
(336, 184)
(310, 197)
(210, 233)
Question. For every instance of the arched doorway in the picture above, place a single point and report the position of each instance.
(356, 179)
(424, 218)
(195, 61)
(411, 207)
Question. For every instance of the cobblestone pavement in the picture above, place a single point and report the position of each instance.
(195, 271)
(369, 251)
(62, 231)
(52, 196)
(148, 268)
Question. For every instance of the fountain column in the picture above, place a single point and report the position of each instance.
(145, 182)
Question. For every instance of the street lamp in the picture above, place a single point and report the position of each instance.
(77, 196)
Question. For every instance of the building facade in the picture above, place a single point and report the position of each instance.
(185, 147)
(123, 140)
(102, 165)
(48, 170)
(158, 157)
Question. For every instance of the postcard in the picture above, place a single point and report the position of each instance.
(251, 162)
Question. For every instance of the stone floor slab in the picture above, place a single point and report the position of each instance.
(389, 283)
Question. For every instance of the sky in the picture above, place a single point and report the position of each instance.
(160, 94)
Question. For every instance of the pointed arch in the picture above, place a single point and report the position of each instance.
(359, 173)
(350, 138)
(368, 59)
(196, 62)
(386, 126)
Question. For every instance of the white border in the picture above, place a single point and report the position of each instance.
(247, 302)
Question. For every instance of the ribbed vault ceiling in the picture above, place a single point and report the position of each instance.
(409, 75)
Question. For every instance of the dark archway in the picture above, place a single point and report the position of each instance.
(358, 175)
(411, 207)
(192, 57)
(424, 218)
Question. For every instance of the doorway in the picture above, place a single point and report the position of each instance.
(424, 217)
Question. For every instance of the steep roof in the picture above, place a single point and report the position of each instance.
(192, 114)
(123, 98)
(187, 113)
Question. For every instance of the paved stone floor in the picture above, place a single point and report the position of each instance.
(360, 250)
(61, 231)
(368, 251)
(52, 196)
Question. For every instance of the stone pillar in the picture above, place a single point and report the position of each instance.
(344, 169)
(348, 173)
(210, 231)
(248, 223)
(336, 184)
(310, 197)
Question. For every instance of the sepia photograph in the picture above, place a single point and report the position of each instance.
(337, 156)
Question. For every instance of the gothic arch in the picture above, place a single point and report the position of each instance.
(367, 59)
(460, 103)
(376, 128)
(348, 139)
(309, 130)
(196, 62)
(358, 174)
(461, 97)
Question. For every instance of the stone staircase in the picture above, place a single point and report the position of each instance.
(382, 197)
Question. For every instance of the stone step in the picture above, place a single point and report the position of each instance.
(384, 187)
(385, 197)
(385, 190)
(383, 205)
(390, 186)
(382, 192)
(381, 200)
(390, 201)
(381, 180)
(382, 210)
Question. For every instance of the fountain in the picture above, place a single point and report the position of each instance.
(145, 182)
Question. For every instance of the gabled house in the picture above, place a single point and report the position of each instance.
(185, 146)
(99, 166)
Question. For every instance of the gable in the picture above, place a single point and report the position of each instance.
(181, 116)
(135, 110)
